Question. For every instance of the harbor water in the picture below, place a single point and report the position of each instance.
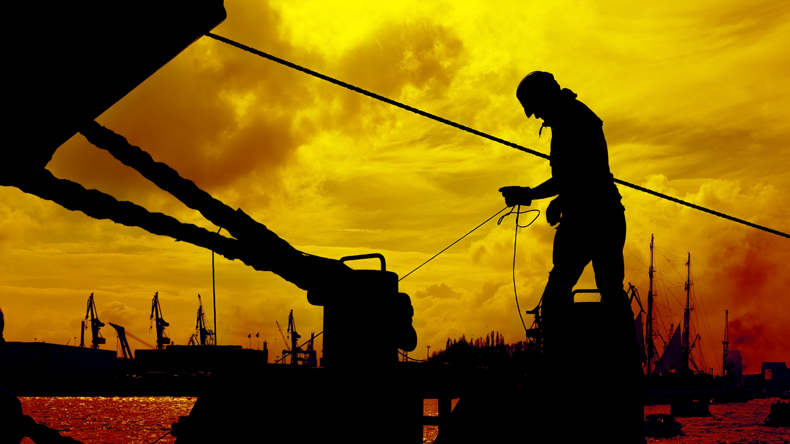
(143, 420)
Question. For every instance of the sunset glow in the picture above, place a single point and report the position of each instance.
(694, 98)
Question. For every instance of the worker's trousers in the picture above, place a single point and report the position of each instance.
(599, 239)
(595, 362)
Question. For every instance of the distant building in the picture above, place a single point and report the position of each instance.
(776, 378)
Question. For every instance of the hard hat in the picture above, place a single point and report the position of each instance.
(535, 84)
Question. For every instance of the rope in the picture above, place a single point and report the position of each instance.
(513, 210)
(249, 236)
(236, 222)
(374, 95)
(697, 207)
(518, 212)
(474, 131)
(459, 240)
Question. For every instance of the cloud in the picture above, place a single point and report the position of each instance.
(119, 313)
(487, 292)
(438, 291)
(763, 341)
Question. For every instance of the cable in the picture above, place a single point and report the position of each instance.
(515, 244)
(373, 95)
(474, 131)
(697, 207)
(459, 239)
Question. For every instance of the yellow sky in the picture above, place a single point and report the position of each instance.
(694, 102)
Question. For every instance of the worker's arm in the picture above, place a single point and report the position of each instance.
(524, 195)
(545, 190)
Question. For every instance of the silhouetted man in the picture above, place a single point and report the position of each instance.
(587, 207)
(591, 229)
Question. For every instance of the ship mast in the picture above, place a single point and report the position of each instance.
(651, 347)
(685, 337)
(726, 342)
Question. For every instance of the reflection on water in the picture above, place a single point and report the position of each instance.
(728, 423)
(109, 420)
(143, 420)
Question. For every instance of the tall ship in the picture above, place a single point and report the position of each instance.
(675, 372)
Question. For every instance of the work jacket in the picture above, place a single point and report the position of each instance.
(580, 159)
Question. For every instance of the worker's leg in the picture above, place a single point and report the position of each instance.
(560, 345)
(570, 257)
(625, 375)
(571, 254)
(607, 257)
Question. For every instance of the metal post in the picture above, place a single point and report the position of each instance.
(214, 293)
(651, 347)
(686, 328)
(725, 343)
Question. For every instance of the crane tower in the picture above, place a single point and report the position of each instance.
(203, 335)
(156, 313)
(96, 324)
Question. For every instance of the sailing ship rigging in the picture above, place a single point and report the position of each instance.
(678, 370)
(677, 353)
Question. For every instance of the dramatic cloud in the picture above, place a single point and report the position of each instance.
(439, 291)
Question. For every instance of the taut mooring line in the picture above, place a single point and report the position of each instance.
(474, 131)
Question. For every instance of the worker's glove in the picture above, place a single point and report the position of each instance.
(554, 212)
(517, 196)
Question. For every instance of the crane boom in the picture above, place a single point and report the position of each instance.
(128, 333)
(288, 347)
(127, 352)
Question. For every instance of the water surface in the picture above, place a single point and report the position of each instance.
(142, 420)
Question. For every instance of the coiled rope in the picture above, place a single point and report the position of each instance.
(474, 131)
(515, 245)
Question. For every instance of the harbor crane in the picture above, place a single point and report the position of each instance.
(156, 312)
(203, 335)
(96, 324)
(285, 341)
(306, 357)
(294, 339)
